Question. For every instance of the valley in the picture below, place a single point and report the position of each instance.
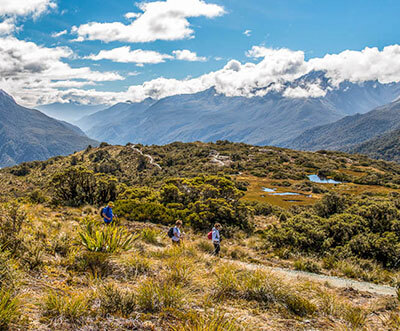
(289, 261)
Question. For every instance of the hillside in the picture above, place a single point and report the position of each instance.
(69, 111)
(277, 220)
(27, 134)
(350, 131)
(385, 147)
(270, 119)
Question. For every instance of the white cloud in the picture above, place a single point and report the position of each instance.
(59, 34)
(186, 55)
(25, 7)
(29, 71)
(132, 15)
(126, 55)
(247, 33)
(277, 69)
(160, 20)
(268, 70)
(7, 26)
(360, 66)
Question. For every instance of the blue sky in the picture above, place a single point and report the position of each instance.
(314, 27)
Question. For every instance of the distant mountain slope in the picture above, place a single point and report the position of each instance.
(27, 134)
(350, 131)
(386, 147)
(115, 115)
(272, 119)
(70, 111)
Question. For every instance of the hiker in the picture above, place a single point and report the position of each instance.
(216, 238)
(107, 213)
(175, 233)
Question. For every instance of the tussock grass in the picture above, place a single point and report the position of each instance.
(134, 265)
(150, 236)
(116, 301)
(215, 322)
(72, 307)
(9, 309)
(154, 296)
(307, 265)
(264, 288)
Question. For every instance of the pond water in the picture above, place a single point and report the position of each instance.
(285, 193)
(319, 180)
(272, 191)
(269, 190)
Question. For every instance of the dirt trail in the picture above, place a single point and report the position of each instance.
(331, 280)
(151, 159)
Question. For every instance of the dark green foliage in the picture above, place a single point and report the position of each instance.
(200, 202)
(77, 186)
(21, 170)
(367, 228)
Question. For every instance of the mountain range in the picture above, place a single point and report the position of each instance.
(349, 132)
(27, 134)
(272, 119)
(69, 111)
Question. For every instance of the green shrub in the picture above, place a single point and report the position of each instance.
(105, 238)
(77, 186)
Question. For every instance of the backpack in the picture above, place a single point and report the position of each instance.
(171, 232)
(102, 211)
(209, 236)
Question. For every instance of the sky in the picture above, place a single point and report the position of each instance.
(93, 51)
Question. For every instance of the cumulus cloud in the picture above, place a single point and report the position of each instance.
(360, 66)
(26, 67)
(159, 20)
(25, 7)
(10, 10)
(277, 69)
(59, 34)
(268, 70)
(7, 26)
(126, 55)
(186, 55)
(132, 15)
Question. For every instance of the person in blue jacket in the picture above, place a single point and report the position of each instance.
(216, 239)
(107, 213)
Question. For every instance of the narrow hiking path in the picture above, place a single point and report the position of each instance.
(151, 159)
(333, 281)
